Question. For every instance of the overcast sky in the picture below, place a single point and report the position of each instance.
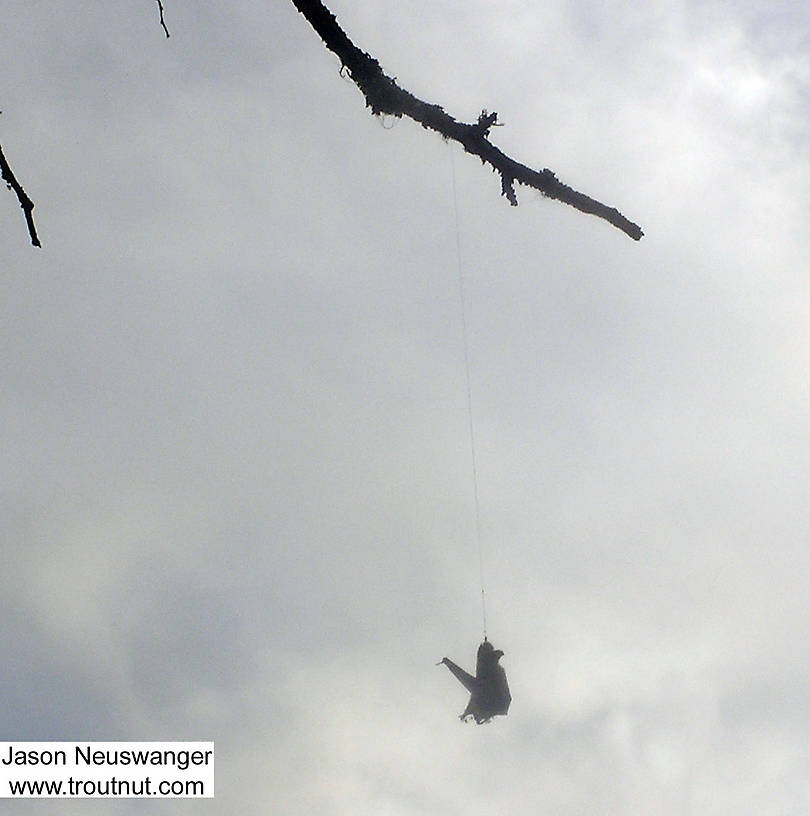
(237, 498)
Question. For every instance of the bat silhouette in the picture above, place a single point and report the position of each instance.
(489, 691)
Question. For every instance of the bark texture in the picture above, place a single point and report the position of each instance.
(384, 96)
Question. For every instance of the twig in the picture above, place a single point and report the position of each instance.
(162, 21)
(25, 202)
(384, 96)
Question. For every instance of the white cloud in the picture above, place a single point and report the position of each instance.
(236, 486)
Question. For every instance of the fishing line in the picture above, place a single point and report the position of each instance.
(464, 333)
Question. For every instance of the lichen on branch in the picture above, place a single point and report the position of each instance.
(384, 96)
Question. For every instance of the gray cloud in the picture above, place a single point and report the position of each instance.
(236, 486)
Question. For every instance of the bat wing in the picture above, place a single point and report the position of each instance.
(466, 679)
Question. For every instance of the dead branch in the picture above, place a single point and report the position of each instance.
(162, 21)
(384, 96)
(25, 202)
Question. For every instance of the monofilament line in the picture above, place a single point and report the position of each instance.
(465, 341)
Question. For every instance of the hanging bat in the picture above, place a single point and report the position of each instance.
(489, 691)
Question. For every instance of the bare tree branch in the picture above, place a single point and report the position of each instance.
(384, 96)
(162, 21)
(25, 202)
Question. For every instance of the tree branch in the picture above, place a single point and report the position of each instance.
(25, 202)
(384, 96)
(162, 21)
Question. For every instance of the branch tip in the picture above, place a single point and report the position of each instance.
(162, 20)
(25, 202)
(384, 96)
